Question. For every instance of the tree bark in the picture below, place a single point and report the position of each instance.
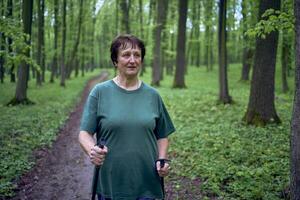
(285, 53)
(73, 57)
(208, 58)
(247, 51)
(54, 65)
(117, 18)
(261, 108)
(156, 68)
(40, 44)
(2, 47)
(10, 41)
(23, 73)
(285, 60)
(63, 68)
(93, 64)
(223, 82)
(141, 19)
(295, 125)
(181, 38)
(125, 7)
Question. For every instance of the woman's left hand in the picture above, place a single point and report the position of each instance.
(162, 172)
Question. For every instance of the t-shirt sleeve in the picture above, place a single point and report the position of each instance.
(164, 125)
(89, 118)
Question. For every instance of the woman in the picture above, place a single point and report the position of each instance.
(131, 117)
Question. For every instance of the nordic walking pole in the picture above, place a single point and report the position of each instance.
(162, 182)
(101, 144)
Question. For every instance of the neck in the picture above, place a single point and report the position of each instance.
(127, 83)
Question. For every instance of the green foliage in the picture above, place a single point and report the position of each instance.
(26, 128)
(272, 20)
(234, 161)
(13, 29)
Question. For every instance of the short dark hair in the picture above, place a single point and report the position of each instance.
(121, 41)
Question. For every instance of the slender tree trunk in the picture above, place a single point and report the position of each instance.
(125, 7)
(117, 18)
(295, 125)
(181, 38)
(23, 73)
(83, 50)
(285, 53)
(2, 47)
(247, 52)
(10, 41)
(63, 45)
(161, 15)
(208, 35)
(40, 45)
(141, 19)
(285, 60)
(43, 54)
(93, 38)
(223, 82)
(54, 65)
(261, 108)
(198, 44)
(73, 57)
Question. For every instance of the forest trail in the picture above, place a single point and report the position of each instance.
(64, 172)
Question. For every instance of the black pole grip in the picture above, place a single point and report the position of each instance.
(162, 162)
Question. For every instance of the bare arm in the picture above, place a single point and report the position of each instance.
(162, 145)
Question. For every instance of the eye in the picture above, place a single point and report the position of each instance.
(137, 55)
(126, 55)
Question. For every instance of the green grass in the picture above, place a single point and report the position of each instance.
(235, 161)
(26, 128)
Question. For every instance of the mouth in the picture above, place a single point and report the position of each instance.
(131, 67)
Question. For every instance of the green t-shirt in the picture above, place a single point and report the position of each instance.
(131, 122)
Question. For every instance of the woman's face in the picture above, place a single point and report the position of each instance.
(129, 61)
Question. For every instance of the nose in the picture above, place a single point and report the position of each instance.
(132, 59)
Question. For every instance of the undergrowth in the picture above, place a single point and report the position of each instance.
(233, 160)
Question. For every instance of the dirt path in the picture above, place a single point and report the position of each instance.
(63, 172)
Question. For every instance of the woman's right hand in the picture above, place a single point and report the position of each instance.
(97, 155)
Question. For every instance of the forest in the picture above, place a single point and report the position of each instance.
(228, 70)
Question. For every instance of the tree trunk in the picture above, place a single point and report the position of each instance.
(247, 51)
(208, 35)
(181, 38)
(2, 45)
(285, 52)
(247, 62)
(40, 44)
(125, 7)
(198, 44)
(261, 108)
(93, 64)
(295, 125)
(63, 45)
(10, 41)
(223, 83)
(23, 73)
(161, 15)
(141, 19)
(285, 60)
(73, 57)
(117, 18)
(54, 65)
